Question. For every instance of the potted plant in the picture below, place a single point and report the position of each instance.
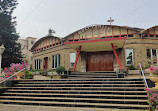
(153, 70)
(68, 72)
(132, 70)
(50, 73)
(54, 72)
(44, 73)
(60, 70)
(146, 68)
(38, 72)
(33, 72)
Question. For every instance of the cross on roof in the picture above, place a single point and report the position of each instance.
(111, 20)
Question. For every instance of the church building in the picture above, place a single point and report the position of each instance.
(97, 48)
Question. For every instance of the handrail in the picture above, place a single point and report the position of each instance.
(150, 105)
(143, 76)
(12, 75)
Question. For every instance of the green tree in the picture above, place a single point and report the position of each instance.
(8, 35)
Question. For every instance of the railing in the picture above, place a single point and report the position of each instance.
(143, 76)
(12, 76)
(150, 105)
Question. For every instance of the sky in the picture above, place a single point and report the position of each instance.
(36, 17)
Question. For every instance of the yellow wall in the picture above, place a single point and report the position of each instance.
(95, 32)
(64, 52)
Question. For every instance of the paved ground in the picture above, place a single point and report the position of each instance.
(40, 77)
(48, 108)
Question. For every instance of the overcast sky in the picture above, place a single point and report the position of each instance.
(35, 17)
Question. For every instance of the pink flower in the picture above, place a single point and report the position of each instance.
(11, 69)
(150, 69)
(148, 90)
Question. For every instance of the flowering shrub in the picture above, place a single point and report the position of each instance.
(153, 99)
(13, 69)
(154, 70)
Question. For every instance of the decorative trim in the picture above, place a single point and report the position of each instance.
(99, 40)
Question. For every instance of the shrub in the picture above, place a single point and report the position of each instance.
(154, 70)
(131, 67)
(60, 69)
(147, 66)
(153, 99)
(13, 69)
(28, 74)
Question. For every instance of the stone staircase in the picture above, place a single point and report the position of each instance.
(115, 93)
(80, 75)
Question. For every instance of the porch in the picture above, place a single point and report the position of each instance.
(98, 55)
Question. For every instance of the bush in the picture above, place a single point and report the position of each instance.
(131, 67)
(153, 99)
(28, 74)
(147, 66)
(60, 69)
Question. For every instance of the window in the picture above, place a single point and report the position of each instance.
(151, 56)
(129, 57)
(55, 61)
(72, 59)
(32, 42)
(37, 64)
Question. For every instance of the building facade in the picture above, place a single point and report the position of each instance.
(97, 48)
(26, 45)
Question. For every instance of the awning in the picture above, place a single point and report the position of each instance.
(97, 45)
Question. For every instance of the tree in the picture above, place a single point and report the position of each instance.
(8, 35)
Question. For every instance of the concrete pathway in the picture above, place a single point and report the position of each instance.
(49, 108)
(40, 77)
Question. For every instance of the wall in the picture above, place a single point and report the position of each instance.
(139, 47)
(26, 45)
(64, 52)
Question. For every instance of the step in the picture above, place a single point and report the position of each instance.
(93, 75)
(100, 91)
(88, 79)
(53, 94)
(80, 77)
(85, 92)
(79, 92)
(62, 98)
(86, 88)
(63, 82)
(75, 103)
(81, 85)
(61, 108)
